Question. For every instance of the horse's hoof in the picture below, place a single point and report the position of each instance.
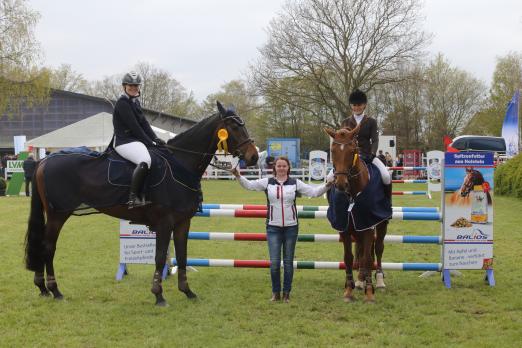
(369, 300)
(58, 297)
(349, 299)
(45, 294)
(162, 303)
(379, 284)
(191, 295)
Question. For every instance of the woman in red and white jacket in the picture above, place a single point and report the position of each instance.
(281, 222)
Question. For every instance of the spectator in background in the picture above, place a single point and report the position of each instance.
(382, 157)
(29, 167)
(389, 159)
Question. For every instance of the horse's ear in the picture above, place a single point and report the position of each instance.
(221, 109)
(329, 131)
(356, 130)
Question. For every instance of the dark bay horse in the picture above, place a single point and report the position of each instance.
(352, 178)
(193, 149)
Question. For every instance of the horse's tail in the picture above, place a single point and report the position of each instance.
(34, 247)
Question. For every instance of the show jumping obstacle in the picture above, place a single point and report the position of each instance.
(420, 181)
(241, 213)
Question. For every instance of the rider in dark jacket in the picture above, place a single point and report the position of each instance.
(368, 136)
(132, 135)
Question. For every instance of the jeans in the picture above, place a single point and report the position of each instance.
(286, 238)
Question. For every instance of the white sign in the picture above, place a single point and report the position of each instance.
(137, 243)
(434, 170)
(317, 165)
(15, 167)
(19, 143)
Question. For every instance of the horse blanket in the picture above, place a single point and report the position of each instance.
(369, 208)
(78, 179)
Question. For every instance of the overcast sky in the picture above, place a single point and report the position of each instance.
(205, 43)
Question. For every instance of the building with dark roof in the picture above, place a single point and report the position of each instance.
(65, 108)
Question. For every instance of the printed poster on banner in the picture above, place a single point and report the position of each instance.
(468, 210)
(137, 243)
(317, 164)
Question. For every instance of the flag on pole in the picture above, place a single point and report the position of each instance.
(510, 126)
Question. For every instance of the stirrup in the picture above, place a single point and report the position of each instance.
(136, 202)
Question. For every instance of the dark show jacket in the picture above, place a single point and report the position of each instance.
(130, 123)
(368, 137)
(29, 166)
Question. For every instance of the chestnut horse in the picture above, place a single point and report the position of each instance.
(192, 149)
(352, 178)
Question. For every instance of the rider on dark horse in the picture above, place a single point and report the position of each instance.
(133, 135)
(368, 136)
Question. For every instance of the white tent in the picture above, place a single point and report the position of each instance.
(94, 132)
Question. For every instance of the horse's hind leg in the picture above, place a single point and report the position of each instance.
(349, 284)
(180, 244)
(379, 250)
(54, 224)
(163, 233)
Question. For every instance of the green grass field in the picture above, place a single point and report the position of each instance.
(233, 308)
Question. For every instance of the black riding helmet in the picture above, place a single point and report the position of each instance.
(358, 97)
(131, 78)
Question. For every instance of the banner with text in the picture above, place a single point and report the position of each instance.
(468, 210)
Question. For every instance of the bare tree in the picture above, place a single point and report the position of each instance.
(159, 91)
(65, 78)
(452, 97)
(335, 46)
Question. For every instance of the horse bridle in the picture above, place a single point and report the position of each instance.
(235, 153)
(349, 174)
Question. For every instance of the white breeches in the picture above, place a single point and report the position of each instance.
(136, 152)
(385, 175)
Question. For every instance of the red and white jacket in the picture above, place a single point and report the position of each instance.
(281, 197)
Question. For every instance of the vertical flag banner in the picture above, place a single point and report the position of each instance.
(510, 126)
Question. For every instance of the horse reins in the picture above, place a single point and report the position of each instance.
(204, 154)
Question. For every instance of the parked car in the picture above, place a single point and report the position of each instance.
(479, 143)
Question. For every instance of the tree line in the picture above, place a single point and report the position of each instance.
(317, 52)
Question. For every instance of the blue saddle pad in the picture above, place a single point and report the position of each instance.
(370, 207)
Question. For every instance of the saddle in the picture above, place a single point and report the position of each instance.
(370, 207)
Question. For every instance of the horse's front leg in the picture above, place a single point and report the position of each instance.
(367, 239)
(180, 246)
(349, 284)
(163, 233)
(359, 283)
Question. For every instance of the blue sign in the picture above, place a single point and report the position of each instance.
(288, 147)
(469, 159)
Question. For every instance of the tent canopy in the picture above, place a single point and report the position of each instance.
(94, 131)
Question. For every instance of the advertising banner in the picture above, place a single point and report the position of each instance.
(137, 243)
(468, 211)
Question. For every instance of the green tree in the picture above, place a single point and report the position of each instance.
(235, 93)
(507, 78)
(21, 81)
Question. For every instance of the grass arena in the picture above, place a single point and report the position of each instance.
(233, 307)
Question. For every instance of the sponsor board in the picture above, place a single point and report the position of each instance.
(137, 244)
(468, 210)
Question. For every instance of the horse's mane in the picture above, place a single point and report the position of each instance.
(195, 129)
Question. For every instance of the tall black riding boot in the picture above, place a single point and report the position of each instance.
(138, 178)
